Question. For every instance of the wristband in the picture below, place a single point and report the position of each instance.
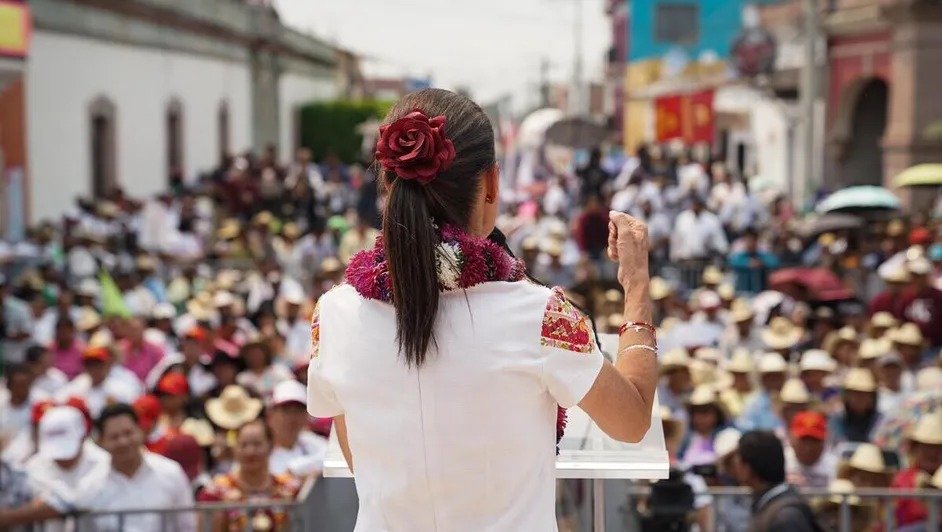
(637, 326)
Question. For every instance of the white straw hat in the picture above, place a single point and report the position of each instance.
(726, 442)
(675, 358)
(928, 429)
(883, 320)
(907, 334)
(871, 349)
(868, 457)
(233, 408)
(741, 361)
(817, 360)
(781, 333)
(702, 395)
(795, 392)
(928, 379)
(860, 380)
(772, 363)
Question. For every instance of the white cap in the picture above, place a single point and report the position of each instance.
(88, 287)
(223, 299)
(726, 441)
(289, 392)
(164, 311)
(919, 266)
(61, 433)
(817, 359)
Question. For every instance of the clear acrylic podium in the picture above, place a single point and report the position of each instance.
(584, 453)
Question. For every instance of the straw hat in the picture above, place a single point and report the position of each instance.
(817, 360)
(895, 227)
(860, 380)
(781, 334)
(741, 361)
(703, 395)
(919, 266)
(675, 358)
(795, 392)
(669, 323)
(552, 247)
(614, 296)
(726, 442)
(88, 319)
(291, 230)
(200, 430)
(708, 299)
(229, 229)
(741, 311)
(928, 429)
(726, 292)
(712, 275)
(331, 265)
(928, 379)
(530, 244)
(844, 490)
(848, 334)
(262, 218)
(883, 320)
(907, 334)
(659, 288)
(702, 372)
(772, 363)
(868, 457)
(936, 481)
(88, 288)
(871, 349)
(896, 275)
(708, 354)
(233, 408)
(102, 338)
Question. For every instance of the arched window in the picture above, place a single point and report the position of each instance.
(102, 121)
(174, 137)
(222, 125)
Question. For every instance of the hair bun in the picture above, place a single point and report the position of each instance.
(415, 147)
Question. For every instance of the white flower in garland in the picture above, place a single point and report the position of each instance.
(448, 263)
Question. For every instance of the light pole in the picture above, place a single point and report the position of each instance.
(809, 95)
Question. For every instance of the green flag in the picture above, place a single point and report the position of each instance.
(112, 303)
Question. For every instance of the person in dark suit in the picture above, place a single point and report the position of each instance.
(776, 506)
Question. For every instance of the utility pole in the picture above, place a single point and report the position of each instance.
(809, 96)
(577, 89)
(544, 82)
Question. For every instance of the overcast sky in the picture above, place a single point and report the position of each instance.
(493, 47)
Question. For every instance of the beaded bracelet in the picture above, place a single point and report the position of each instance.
(636, 326)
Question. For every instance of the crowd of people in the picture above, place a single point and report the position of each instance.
(161, 346)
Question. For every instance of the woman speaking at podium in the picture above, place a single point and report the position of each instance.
(442, 365)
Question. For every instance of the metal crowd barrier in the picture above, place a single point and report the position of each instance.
(885, 500)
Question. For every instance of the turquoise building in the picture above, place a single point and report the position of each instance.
(694, 26)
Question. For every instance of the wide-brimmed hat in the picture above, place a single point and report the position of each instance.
(794, 391)
(88, 319)
(741, 311)
(726, 292)
(702, 372)
(883, 320)
(919, 266)
(726, 442)
(848, 334)
(200, 430)
(708, 300)
(331, 265)
(703, 395)
(899, 275)
(928, 379)
(675, 358)
(936, 481)
(88, 288)
(614, 296)
(712, 275)
(164, 311)
(741, 361)
(859, 380)
(659, 288)
(551, 247)
(233, 408)
(229, 229)
(867, 457)
(708, 354)
(844, 492)
(928, 429)
(772, 363)
(871, 349)
(817, 360)
(781, 333)
(907, 334)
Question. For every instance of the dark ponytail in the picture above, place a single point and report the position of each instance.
(412, 209)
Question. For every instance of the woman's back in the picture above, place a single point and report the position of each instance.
(466, 442)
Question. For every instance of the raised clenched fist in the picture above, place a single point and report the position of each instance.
(628, 245)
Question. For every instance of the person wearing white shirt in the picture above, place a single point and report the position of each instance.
(889, 372)
(64, 459)
(16, 400)
(103, 383)
(698, 234)
(296, 450)
(137, 479)
(47, 380)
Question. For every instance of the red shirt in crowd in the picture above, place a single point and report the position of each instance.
(908, 511)
(886, 301)
(924, 308)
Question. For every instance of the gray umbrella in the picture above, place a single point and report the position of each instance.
(577, 132)
(827, 223)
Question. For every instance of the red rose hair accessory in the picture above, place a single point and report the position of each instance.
(415, 147)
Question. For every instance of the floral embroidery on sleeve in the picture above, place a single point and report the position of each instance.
(564, 327)
(316, 331)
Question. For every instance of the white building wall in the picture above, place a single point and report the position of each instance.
(295, 90)
(66, 73)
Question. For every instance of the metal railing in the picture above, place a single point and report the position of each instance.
(883, 499)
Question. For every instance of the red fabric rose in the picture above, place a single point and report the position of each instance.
(415, 147)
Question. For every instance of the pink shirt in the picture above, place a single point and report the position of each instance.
(69, 359)
(142, 359)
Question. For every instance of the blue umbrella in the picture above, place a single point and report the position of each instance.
(861, 198)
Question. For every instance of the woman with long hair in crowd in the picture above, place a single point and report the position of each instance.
(438, 342)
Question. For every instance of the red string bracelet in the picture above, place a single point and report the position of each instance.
(637, 326)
